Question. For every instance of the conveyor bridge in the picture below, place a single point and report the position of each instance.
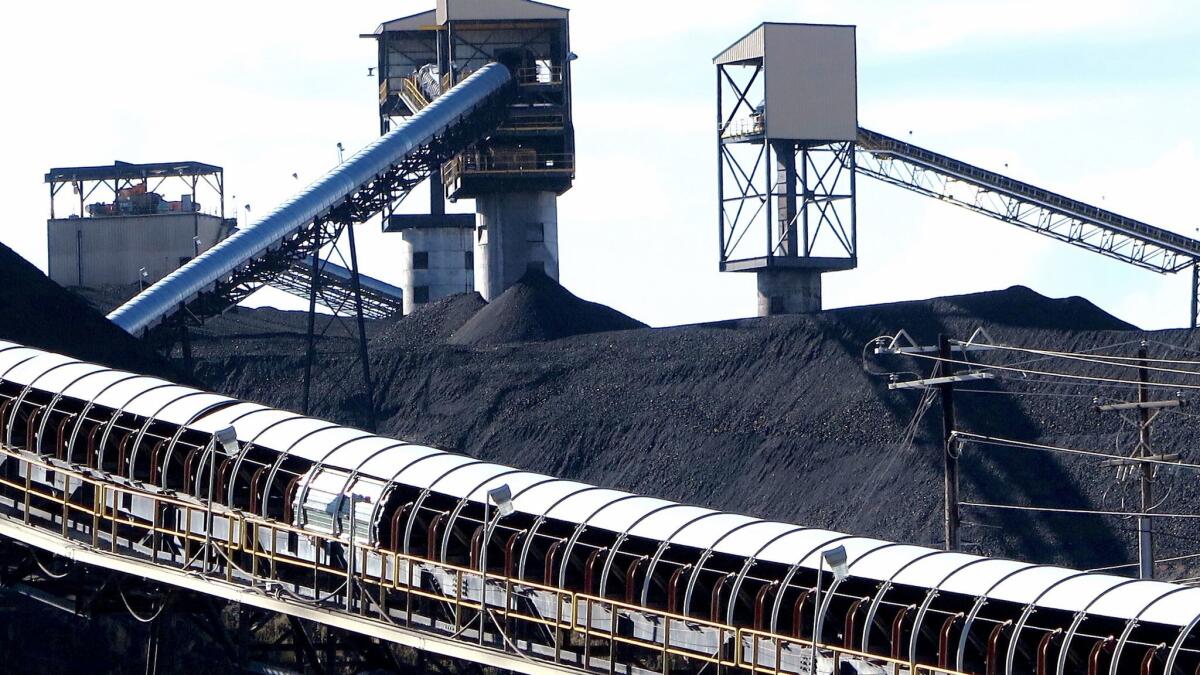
(1027, 206)
(388, 539)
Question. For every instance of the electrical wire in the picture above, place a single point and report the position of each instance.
(140, 619)
(1006, 442)
(1134, 361)
(1089, 378)
(1088, 512)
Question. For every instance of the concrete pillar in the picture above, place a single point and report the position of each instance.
(435, 262)
(788, 291)
(514, 232)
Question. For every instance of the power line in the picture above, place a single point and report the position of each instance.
(1090, 378)
(1085, 512)
(1115, 361)
(1008, 442)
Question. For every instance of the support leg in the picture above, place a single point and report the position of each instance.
(311, 353)
(368, 388)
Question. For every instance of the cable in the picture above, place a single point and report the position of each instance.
(1080, 355)
(162, 605)
(1133, 564)
(45, 571)
(1089, 378)
(1088, 512)
(1005, 442)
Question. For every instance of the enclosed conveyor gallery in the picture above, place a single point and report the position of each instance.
(676, 586)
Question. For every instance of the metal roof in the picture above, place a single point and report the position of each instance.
(125, 170)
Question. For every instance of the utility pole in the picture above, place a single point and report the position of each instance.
(1145, 526)
(944, 377)
(1147, 411)
(949, 444)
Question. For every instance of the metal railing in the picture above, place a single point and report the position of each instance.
(515, 164)
(533, 75)
(389, 588)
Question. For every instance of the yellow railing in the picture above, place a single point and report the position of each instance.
(245, 547)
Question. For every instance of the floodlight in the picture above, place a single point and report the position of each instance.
(836, 559)
(501, 496)
(227, 437)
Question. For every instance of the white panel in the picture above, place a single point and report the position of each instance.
(124, 391)
(56, 380)
(517, 482)
(11, 357)
(286, 434)
(87, 388)
(811, 93)
(748, 541)
(353, 455)
(705, 533)
(186, 409)
(579, 507)
(1127, 601)
(1177, 609)
(29, 371)
(1025, 587)
(884, 564)
(316, 445)
(623, 514)
(387, 463)
(424, 473)
(857, 548)
(468, 478)
(156, 399)
(1074, 595)
(789, 549)
(665, 523)
(537, 500)
(934, 569)
(977, 578)
(238, 416)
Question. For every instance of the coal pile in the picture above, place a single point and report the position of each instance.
(37, 312)
(776, 416)
(536, 309)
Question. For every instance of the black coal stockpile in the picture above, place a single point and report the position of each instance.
(37, 312)
(538, 308)
(777, 417)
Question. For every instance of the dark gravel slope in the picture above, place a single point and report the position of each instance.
(37, 312)
(775, 417)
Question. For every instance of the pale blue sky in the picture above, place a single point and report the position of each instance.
(1093, 100)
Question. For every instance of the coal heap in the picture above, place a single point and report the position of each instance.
(37, 312)
(537, 309)
(774, 416)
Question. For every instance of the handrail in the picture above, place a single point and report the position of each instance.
(243, 534)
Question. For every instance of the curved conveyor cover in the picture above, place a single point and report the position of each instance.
(165, 297)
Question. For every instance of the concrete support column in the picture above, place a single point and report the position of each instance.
(788, 291)
(515, 232)
(435, 262)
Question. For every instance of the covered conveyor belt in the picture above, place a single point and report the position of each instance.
(1024, 205)
(352, 192)
(576, 576)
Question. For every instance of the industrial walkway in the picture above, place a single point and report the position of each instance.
(394, 540)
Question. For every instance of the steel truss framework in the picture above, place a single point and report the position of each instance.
(1029, 207)
(305, 247)
(782, 202)
(336, 289)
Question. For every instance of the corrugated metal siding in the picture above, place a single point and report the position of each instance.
(750, 47)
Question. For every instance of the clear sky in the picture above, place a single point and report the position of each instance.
(1095, 100)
